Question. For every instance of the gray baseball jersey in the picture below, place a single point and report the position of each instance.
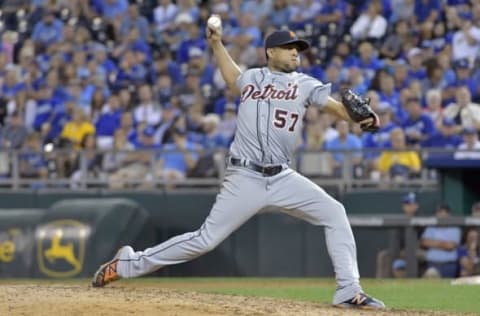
(269, 124)
(271, 112)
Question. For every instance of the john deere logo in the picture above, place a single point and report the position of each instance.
(7, 244)
(61, 247)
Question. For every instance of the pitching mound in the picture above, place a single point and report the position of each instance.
(131, 299)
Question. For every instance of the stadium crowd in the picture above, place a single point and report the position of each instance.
(130, 75)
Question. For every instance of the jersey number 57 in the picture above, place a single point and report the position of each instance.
(282, 119)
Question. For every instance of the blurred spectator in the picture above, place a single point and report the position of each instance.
(427, 11)
(193, 38)
(164, 14)
(112, 10)
(381, 139)
(441, 247)
(14, 133)
(434, 107)
(415, 60)
(148, 111)
(279, 15)
(48, 31)
(464, 77)
(108, 122)
(332, 13)
(245, 39)
(121, 155)
(176, 158)
(476, 209)
(133, 19)
(470, 147)
(466, 41)
(395, 41)
(400, 162)
(368, 61)
(209, 137)
(303, 12)
(228, 123)
(135, 167)
(345, 141)
(464, 112)
(32, 163)
(75, 130)
(88, 164)
(387, 262)
(402, 10)
(469, 253)
(197, 63)
(445, 137)
(370, 24)
(418, 126)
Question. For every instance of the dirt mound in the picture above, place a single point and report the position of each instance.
(131, 299)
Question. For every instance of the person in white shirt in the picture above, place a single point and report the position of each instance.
(464, 112)
(164, 14)
(147, 111)
(370, 24)
(470, 142)
(466, 41)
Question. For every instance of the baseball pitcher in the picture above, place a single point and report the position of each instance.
(273, 101)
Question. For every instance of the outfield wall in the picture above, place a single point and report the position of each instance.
(47, 234)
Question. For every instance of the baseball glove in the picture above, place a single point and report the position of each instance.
(359, 110)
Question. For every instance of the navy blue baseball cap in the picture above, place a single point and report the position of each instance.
(409, 198)
(280, 38)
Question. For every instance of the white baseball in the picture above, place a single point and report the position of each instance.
(214, 22)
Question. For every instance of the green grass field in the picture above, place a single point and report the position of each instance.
(432, 295)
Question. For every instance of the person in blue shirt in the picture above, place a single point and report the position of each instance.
(176, 158)
(111, 9)
(418, 126)
(32, 163)
(279, 15)
(209, 137)
(332, 11)
(463, 77)
(441, 247)
(45, 107)
(163, 63)
(381, 138)
(48, 31)
(133, 19)
(367, 61)
(194, 38)
(345, 141)
(198, 62)
(415, 62)
(108, 122)
(11, 85)
(445, 137)
(427, 10)
(389, 94)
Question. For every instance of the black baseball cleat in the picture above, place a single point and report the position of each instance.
(362, 301)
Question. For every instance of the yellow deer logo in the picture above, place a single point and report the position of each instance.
(59, 251)
(61, 247)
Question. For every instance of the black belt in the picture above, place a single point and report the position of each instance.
(265, 171)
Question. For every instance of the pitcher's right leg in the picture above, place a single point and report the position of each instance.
(240, 197)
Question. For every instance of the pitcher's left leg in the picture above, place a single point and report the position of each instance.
(302, 198)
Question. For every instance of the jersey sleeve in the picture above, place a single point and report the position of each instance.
(316, 91)
(245, 77)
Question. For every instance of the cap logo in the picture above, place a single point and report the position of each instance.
(292, 35)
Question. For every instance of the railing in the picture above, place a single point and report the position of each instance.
(313, 164)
